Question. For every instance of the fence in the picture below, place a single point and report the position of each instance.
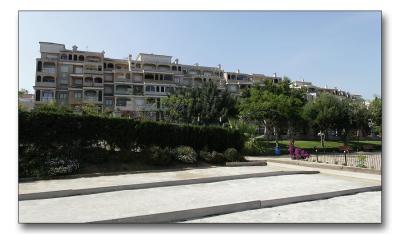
(364, 160)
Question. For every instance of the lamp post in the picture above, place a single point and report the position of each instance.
(322, 135)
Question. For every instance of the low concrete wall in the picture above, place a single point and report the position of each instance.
(190, 214)
(253, 163)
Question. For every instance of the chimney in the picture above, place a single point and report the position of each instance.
(74, 48)
(176, 61)
(238, 71)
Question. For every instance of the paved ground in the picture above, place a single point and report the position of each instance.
(121, 204)
(359, 208)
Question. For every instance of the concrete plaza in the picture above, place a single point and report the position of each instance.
(363, 207)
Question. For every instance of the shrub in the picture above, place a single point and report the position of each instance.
(232, 155)
(159, 156)
(217, 157)
(59, 166)
(186, 154)
(361, 160)
(212, 157)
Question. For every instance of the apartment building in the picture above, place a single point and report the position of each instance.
(313, 91)
(132, 86)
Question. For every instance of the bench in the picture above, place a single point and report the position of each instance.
(367, 147)
(345, 148)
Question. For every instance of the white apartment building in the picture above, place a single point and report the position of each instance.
(132, 87)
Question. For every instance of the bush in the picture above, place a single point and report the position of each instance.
(186, 154)
(212, 157)
(232, 155)
(159, 156)
(217, 157)
(45, 129)
(57, 166)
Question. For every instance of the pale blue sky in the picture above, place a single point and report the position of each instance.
(341, 49)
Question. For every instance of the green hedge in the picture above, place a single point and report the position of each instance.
(49, 131)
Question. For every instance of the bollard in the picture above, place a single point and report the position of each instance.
(345, 157)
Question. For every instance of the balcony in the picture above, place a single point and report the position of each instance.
(46, 84)
(48, 70)
(122, 80)
(124, 91)
(92, 100)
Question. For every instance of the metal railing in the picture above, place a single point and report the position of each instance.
(362, 160)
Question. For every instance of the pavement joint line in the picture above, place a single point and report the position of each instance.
(198, 213)
(89, 191)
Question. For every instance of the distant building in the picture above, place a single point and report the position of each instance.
(26, 100)
(313, 91)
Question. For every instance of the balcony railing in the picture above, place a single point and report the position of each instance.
(122, 79)
(49, 70)
(46, 84)
(124, 92)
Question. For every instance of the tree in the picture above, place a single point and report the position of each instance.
(328, 112)
(359, 117)
(202, 105)
(276, 106)
(375, 108)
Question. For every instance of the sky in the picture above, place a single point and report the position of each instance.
(335, 48)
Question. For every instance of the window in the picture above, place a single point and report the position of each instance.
(169, 89)
(149, 76)
(38, 79)
(38, 95)
(168, 77)
(179, 68)
(63, 80)
(98, 80)
(75, 57)
(158, 89)
(63, 57)
(78, 70)
(150, 88)
(108, 102)
(174, 68)
(121, 102)
(99, 68)
(64, 68)
(78, 95)
(39, 66)
(70, 57)
(62, 96)
(49, 79)
(47, 96)
(157, 77)
(162, 89)
(100, 96)
(81, 58)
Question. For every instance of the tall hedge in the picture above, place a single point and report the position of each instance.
(45, 130)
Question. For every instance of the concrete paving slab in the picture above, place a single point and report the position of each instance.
(122, 204)
(359, 208)
(87, 191)
(114, 180)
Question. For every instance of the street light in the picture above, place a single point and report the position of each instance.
(322, 135)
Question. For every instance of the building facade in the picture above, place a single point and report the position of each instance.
(129, 87)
